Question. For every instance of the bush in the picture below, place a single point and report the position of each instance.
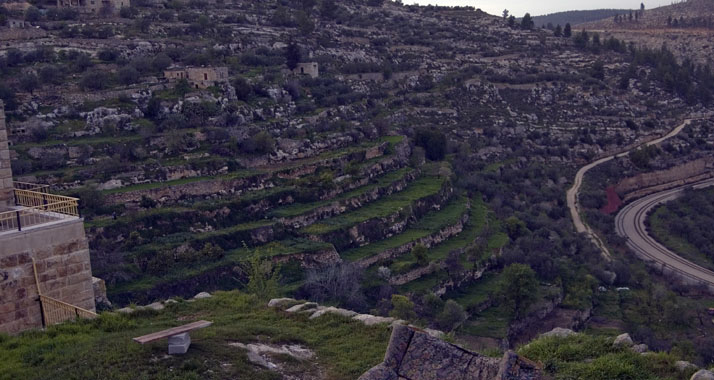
(452, 316)
(402, 308)
(95, 80)
(518, 289)
(420, 254)
(128, 75)
(433, 142)
(338, 283)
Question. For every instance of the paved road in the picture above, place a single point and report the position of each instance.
(572, 194)
(630, 223)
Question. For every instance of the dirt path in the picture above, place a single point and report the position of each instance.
(572, 194)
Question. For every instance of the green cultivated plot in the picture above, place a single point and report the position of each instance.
(430, 224)
(421, 188)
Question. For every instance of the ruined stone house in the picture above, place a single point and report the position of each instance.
(99, 7)
(45, 271)
(307, 68)
(198, 77)
(14, 23)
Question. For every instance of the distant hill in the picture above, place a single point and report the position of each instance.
(690, 14)
(577, 17)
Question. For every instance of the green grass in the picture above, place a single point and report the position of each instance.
(430, 224)
(421, 188)
(182, 181)
(80, 141)
(659, 221)
(491, 323)
(232, 257)
(107, 222)
(103, 349)
(477, 293)
(475, 227)
(176, 239)
(303, 208)
(594, 357)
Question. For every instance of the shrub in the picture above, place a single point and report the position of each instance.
(452, 316)
(518, 289)
(433, 142)
(128, 75)
(95, 80)
(402, 308)
(420, 254)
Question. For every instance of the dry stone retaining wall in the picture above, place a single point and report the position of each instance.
(647, 183)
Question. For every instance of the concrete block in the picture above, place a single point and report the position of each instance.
(178, 344)
(180, 338)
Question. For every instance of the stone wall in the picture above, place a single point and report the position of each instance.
(6, 194)
(415, 355)
(64, 271)
(647, 183)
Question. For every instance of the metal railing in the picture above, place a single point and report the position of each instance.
(31, 187)
(55, 311)
(37, 206)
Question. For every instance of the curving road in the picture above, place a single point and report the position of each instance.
(630, 223)
(572, 194)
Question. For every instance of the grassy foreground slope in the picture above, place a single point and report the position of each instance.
(590, 357)
(343, 348)
(103, 349)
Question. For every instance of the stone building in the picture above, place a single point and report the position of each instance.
(14, 23)
(45, 271)
(198, 77)
(307, 68)
(99, 7)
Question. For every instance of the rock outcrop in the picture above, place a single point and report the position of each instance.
(415, 355)
(703, 374)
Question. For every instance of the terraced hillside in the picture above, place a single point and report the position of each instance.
(196, 233)
(387, 158)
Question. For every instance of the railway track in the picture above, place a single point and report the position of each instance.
(630, 224)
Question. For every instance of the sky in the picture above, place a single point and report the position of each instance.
(536, 8)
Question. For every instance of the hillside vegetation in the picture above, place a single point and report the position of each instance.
(387, 158)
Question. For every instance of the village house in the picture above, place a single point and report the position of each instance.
(198, 77)
(307, 68)
(14, 23)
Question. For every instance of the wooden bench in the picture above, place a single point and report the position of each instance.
(179, 340)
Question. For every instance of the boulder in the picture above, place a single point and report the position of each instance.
(202, 295)
(435, 333)
(370, 320)
(703, 374)
(125, 310)
(280, 302)
(333, 310)
(623, 340)
(157, 306)
(640, 348)
(684, 366)
(414, 354)
(302, 307)
(559, 332)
